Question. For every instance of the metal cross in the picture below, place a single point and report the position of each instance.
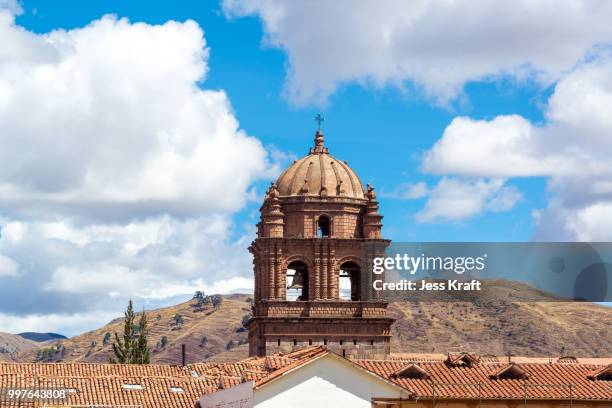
(319, 118)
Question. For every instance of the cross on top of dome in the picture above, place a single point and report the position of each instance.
(319, 146)
(320, 119)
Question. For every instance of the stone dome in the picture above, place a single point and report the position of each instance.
(320, 174)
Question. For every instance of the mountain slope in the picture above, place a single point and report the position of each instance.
(494, 324)
(40, 337)
(505, 317)
(205, 332)
(12, 344)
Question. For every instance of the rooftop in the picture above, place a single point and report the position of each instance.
(420, 374)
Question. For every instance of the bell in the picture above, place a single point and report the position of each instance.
(297, 282)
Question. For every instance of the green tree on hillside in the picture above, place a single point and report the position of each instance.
(216, 300)
(133, 348)
(142, 348)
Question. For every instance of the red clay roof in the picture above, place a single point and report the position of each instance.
(462, 358)
(545, 381)
(508, 372)
(411, 370)
(102, 384)
(599, 372)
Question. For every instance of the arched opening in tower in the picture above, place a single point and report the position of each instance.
(349, 281)
(297, 281)
(324, 226)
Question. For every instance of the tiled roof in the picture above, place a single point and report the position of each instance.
(167, 386)
(508, 372)
(155, 392)
(462, 359)
(545, 380)
(411, 370)
(600, 372)
(93, 370)
(416, 357)
(260, 369)
(179, 387)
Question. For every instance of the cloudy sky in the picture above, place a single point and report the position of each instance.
(136, 138)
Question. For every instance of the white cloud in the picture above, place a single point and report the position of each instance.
(504, 199)
(572, 149)
(223, 286)
(71, 323)
(12, 6)
(107, 121)
(8, 267)
(592, 222)
(454, 199)
(119, 173)
(102, 278)
(407, 191)
(437, 45)
(502, 147)
(67, 267)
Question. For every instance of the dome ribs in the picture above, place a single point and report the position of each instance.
(324, 176)
(323, 192)
(295, 185)
(339, 188)
(350, 176)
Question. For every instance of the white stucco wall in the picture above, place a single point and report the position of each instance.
(326, 382)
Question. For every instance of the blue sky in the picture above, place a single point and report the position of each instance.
(381, 132)
(136, 150)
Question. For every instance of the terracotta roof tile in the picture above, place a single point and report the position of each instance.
(411, 370)
(178, 387)
(509, 371)
(545, 381)
(599, 372)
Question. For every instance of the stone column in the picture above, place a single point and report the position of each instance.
(257, 273)
(367, 279)
(332, 276)
(280, 290)
(271, 277)
(324, 267)
(316, 286)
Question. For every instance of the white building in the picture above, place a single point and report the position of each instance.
(326, 380)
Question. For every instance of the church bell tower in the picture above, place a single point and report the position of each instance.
(312, 258)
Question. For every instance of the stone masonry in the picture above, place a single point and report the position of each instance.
(318, 222)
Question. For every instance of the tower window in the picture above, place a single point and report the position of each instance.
(349, 281)
(297, 281)
(324, 226)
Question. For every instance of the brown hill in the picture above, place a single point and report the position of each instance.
(206, 331)
(13, 344)
(504, 319)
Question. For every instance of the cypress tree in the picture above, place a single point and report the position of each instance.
(133, 348)
(142, 348)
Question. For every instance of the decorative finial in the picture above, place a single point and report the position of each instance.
(320, 119)
(370, 193)
(272, 192)
(319, 143)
